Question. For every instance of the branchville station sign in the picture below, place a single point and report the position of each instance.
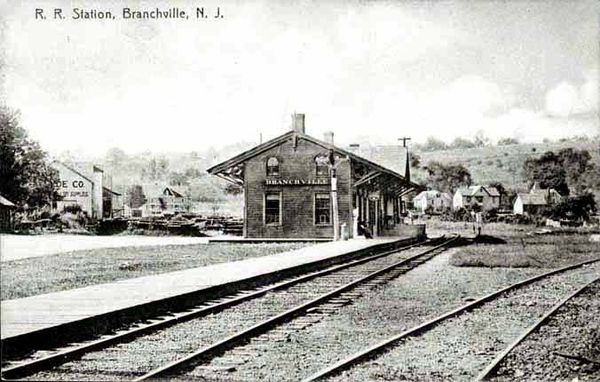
(297, 182)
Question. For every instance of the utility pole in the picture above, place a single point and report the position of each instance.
(404, 139)
(406, 166)
(332, 162)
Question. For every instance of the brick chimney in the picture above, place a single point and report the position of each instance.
(298, 123)
(328, 137)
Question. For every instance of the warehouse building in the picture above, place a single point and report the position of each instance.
(292, 183)
(85, 185)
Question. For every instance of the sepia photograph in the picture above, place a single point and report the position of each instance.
(362, 190)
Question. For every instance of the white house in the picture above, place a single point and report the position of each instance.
(432, 200)
(164, 200)
(534, 200)
(486, 198)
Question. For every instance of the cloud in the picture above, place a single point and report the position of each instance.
(566, 99)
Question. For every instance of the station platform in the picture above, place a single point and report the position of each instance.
(39, 317)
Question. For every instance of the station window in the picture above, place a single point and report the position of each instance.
(322, 209)
(322, 165)
(273, 208)
(272, 166)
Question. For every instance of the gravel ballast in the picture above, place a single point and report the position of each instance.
(422, 293)
(574, 330)
(459, 348)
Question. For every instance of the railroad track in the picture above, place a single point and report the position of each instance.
(387, 344)
(309, 283)
(489, 371)
(309, 313)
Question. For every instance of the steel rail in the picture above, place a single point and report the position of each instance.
(264, 326)
(383, 345)
(29, 367)
(493, 366)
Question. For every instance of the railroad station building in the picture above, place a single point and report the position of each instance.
(288, 191)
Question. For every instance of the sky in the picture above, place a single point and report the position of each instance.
(366, 70)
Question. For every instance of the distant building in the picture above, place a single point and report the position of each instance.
(432, 200)
(535, 200)
(487, 198)
(6, 214)
(164, 200)
(86, 186)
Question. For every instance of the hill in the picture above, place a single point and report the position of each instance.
(486, 164)
(505, 163)
(188, 170)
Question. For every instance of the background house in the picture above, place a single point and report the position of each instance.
(535, 200)
(486, 198)
(432, 200)
(164, 200)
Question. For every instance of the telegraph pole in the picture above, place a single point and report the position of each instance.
(332, 162)
(406, 166)
(334, 202)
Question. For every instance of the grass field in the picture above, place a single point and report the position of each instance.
(525, 248)
(28, 277)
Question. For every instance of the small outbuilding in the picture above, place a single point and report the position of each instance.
(535, 200)
(6, 214)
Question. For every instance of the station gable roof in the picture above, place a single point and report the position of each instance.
(224, 169)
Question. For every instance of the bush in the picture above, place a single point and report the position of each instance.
(72, 208)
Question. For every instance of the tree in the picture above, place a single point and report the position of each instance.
(578, 168)
(115, 157)
(415, 160)
(434, 144)
(576, 208)
(447, 177)
(135, 197)
(481, 139)
(569, 168)
(548, 171)
(507, 141)
(26, 176)
(461, 143)
(498, 186)
(177, 178)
